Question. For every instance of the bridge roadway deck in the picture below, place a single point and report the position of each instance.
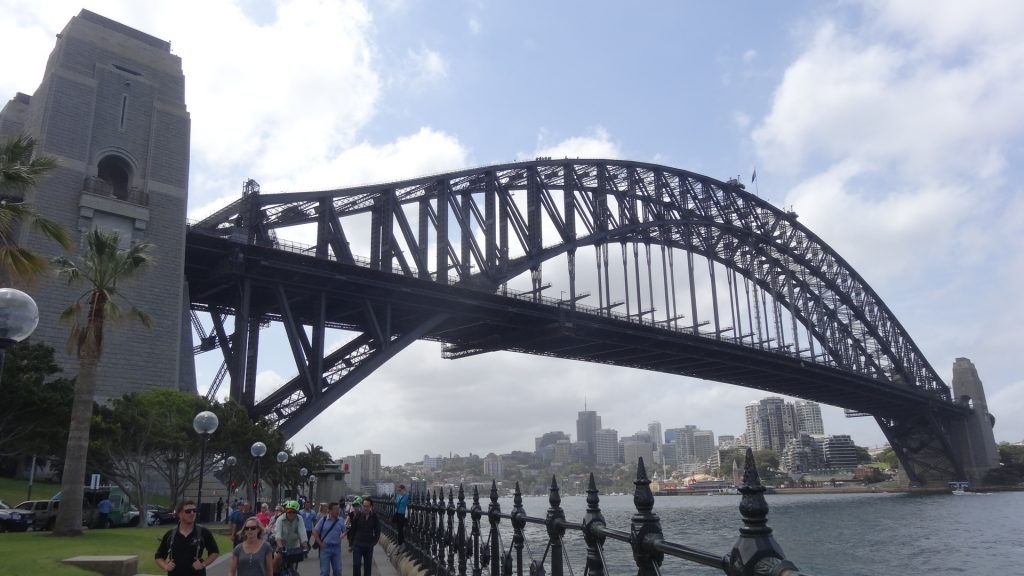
(479, 321)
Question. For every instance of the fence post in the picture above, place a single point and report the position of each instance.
(756, 551)
(460, 538)
(493, 512)
(475, 513)
(593, 520)
(554, 523)
(439, 529)
(646, 526)
(518, 524)
(450, 535)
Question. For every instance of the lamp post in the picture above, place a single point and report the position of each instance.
(205, 423)
(312, 487)
(231, 461)
(19, 317)
(258, 449)
(302, 474)
(282, 457)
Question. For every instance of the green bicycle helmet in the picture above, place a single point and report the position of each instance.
(291, 505)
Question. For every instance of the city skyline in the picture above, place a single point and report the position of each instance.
(909, 169)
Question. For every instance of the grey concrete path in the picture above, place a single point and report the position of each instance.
(311, 566)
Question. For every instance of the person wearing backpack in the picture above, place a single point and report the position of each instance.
(327, 535)
(181, 549)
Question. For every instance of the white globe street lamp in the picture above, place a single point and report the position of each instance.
(258, 449)
(231, 461)
(205, 423)
(19, 317)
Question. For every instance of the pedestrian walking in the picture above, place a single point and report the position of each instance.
(327, 536)
(182, 548)
(253, 556)
(308, 518)
(237, 519)
(220, 508)
(401, 503)
(103, 518)
(365, 532)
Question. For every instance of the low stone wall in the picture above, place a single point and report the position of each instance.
(107, 565)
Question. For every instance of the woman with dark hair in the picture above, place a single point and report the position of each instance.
(254, 556)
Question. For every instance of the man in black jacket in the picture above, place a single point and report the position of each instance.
(365, 531)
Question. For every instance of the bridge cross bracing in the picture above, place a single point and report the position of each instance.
(654, 267)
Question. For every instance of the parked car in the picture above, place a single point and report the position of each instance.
(45, 512)
(14, 520)
(157, 515)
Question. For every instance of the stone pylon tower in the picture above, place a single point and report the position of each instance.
(111, 109)
(975, 439)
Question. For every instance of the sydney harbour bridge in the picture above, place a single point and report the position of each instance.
(614, 262)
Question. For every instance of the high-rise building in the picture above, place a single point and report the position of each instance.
(703, 447)
(771, 423)
(111, 110)
(432, 462)
(606, 442)
(654, 429)
(726, 441)
(808, 415)
(587, 425)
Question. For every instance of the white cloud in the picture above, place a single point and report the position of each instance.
(597, 145)
(474, 25)
(856, 95)
(749, 56)
(426, 66)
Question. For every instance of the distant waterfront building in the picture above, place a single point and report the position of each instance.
(587, 425)
(548, 439)
(607, 446)
(562, 452)
(808, 415)
(802, 455)
(632, 450)
(363, 469)
(840, 452)
(726, 441)
(432, 462)
(493, 467)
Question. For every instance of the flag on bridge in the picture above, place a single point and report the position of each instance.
(753, 176)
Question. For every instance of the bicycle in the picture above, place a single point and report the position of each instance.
(290, 560)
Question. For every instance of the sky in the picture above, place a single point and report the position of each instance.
(894, 132)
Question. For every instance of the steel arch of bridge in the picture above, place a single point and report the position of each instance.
(477, 230)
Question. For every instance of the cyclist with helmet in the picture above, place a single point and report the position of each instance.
(290, 534)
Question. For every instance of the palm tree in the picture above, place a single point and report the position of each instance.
(19, 171)
(101, 268)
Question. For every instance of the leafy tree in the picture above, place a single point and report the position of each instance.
(235, 435)
(35, 405)
(19, 172)
(889, 458)
(102, 268)
(1010, 471)
(863, 457)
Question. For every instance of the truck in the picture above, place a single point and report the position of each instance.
(122, 513)
(45, 512)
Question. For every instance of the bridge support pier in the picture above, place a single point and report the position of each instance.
(972, 438)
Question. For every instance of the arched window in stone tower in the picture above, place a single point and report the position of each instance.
(116, 172)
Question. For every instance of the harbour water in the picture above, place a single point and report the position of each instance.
(849, 534)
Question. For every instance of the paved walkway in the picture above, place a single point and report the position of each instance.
(311, 566)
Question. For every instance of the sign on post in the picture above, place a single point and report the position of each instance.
(94, 481)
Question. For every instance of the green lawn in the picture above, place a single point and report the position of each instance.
(32, 553)
(14, 491)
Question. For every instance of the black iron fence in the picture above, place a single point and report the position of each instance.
(436, 536)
